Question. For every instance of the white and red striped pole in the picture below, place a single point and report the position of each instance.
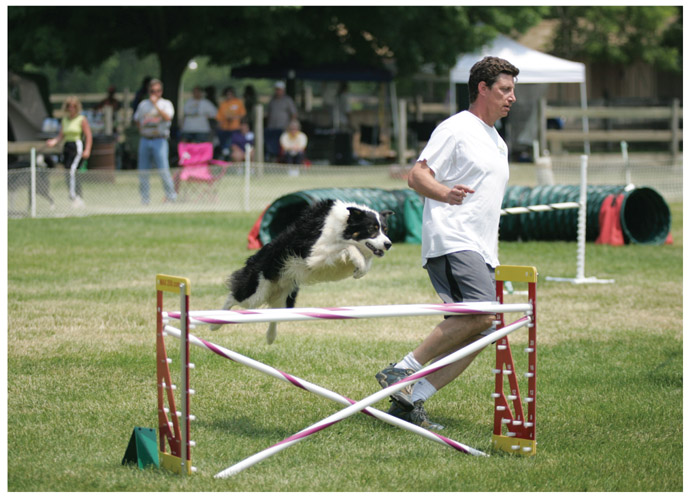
(339, 313)
(372, 399)
(318, 390)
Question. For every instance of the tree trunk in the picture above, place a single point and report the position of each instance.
(172, 68)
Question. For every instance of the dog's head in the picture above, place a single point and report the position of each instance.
(368, 229)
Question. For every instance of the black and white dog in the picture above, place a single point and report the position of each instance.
(329, 241)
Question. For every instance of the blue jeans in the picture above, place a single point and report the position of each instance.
(154, 151)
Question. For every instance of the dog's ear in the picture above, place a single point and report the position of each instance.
(386, 213)
(355, 212)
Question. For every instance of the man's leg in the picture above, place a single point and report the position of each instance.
(161, 156)
(456, 277)
(144, 165)
(449, 336)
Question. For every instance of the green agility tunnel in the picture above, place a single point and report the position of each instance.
(402, 226)
(644, 214)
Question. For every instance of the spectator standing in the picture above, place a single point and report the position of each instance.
(78, 138)
(250, 100)
(153, 117)
(210, 95)
(280, 112)
(110, 100)
(293, 143)
(141, 93)
(230, 113)
(197, 112)
(341, 108)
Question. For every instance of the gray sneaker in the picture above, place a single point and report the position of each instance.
(417, 415)
(391, 375)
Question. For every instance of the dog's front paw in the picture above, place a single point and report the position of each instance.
(359, 273)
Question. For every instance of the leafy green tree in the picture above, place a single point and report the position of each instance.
(620, 34)
(403, 37)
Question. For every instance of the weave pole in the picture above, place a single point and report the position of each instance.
(372, 399)
(318, 390)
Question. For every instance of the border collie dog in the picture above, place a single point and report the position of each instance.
(331, 240)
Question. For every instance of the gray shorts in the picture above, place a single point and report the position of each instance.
(463, 276)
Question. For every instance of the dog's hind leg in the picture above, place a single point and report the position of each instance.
(289, 302)
(272, 332)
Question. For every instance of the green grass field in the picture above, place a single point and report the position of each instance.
(81, 368)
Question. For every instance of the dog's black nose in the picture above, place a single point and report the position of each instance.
(388, 246)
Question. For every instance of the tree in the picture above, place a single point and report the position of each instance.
(620, 34)
(402, 37)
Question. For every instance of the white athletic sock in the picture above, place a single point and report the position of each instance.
(423, 390)
(409, 362)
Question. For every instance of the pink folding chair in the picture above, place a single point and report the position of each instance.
(199, 169)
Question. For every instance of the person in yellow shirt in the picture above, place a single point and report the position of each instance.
(293, 143)
(78, 138)
(230, 113)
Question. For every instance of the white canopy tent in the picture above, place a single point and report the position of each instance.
(534, 67)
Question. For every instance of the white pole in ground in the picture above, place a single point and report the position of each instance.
(318, 390)
(247, 176)
(625, 160)
(33, 182)
(581, 235)
(372, 399)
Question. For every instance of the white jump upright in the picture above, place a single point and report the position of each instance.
(174, 425)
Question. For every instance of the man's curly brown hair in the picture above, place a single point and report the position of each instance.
(488, 69)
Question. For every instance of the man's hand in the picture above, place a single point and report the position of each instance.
(457, 194)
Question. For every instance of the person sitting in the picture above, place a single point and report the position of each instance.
(293, 143)
(240, 141)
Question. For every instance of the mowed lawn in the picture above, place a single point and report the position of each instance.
(81, 368)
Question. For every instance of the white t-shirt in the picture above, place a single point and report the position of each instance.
(293, 143)
(463, 149)
(196, 115)
(151, 123)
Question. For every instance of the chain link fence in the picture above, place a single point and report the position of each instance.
(106, 192)
(660, 173)
(117, 191)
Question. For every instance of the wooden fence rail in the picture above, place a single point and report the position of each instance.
(554, 139)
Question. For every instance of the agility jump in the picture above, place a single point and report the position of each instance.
(174, 426)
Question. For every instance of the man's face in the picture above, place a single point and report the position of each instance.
(501, 95)
(155, 92)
